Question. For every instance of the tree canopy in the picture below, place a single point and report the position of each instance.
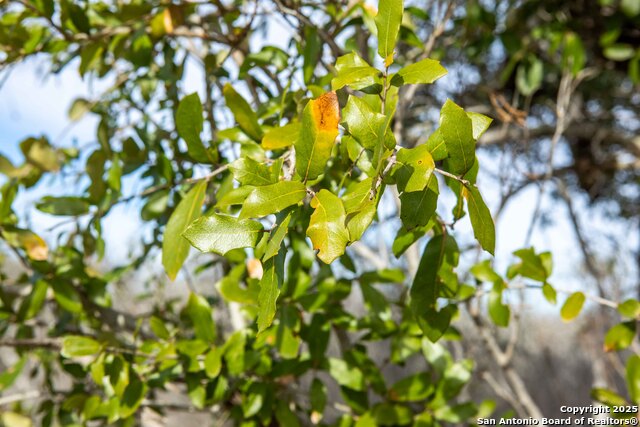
(329, 170)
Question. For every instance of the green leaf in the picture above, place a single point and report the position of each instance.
(213, 362)
(484, 272)
(417, 207)
(480, 123)
(437, 146)
(572, 306)
(360, 208)
(620, 336)
(424, 290)
(158, 327)
(413, 169)
(388, 22)
(253, 399)
(236, 196)
(346, 375)
(619, 52)
(319, 130)
(434, 323)
(630, 308)
(243, 113)
(362, 122)
(532, 265)
(311, 53)
(457, 414)
(247, 171)
(500, 313)
(481, 220)
(31, 305)
(318, 396)
(231, 290)
(64, 206)
(199, 310)
(573, 55)
(405, 238)
(356, 73)
(327, 229)
(78, 346)
(90, 57)
(40, 153)
(66, 296)
(412, 389)
(281, 137)
(387, 414)
(357, 195)
(608, 397)
(276, 238)
(630, 8)
(155, 206)
(78, 109)
(285, 416)
(529, 76)
(549, 293)
(234, 352)
(270, 199)
(222, 233)
(132, 397)
(457, 131)
(359, 221)
(175, 248)
(633, 378)
(426, 71)
(270, 285)
(9, 375)
(189, 124)
(287, 337)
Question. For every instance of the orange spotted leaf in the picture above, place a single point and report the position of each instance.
(317, 135)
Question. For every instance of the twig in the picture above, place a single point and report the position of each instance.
(503, 361)
(335, 49)
(584, 246)
(461, 180)
(19, 397)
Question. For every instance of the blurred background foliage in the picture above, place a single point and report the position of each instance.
(89, 342)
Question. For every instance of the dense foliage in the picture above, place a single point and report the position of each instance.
(275, 171)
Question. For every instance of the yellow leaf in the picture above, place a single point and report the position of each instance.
(35, 246)
(318, 133)
(168, 22)
(389, 59)
(12, 419)
(327, 229)
(254, 268)
(326, 113)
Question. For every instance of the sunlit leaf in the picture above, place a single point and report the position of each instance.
(175, 248)
(327, 229)
(281, 137)
(243, 113)
(77, 346)
(424, 71)
(222, 233)
(388, 22)
(189, 123)
(270, 199)
(572, 306)
(457, 131)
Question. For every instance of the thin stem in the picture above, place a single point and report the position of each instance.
(461, 180)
